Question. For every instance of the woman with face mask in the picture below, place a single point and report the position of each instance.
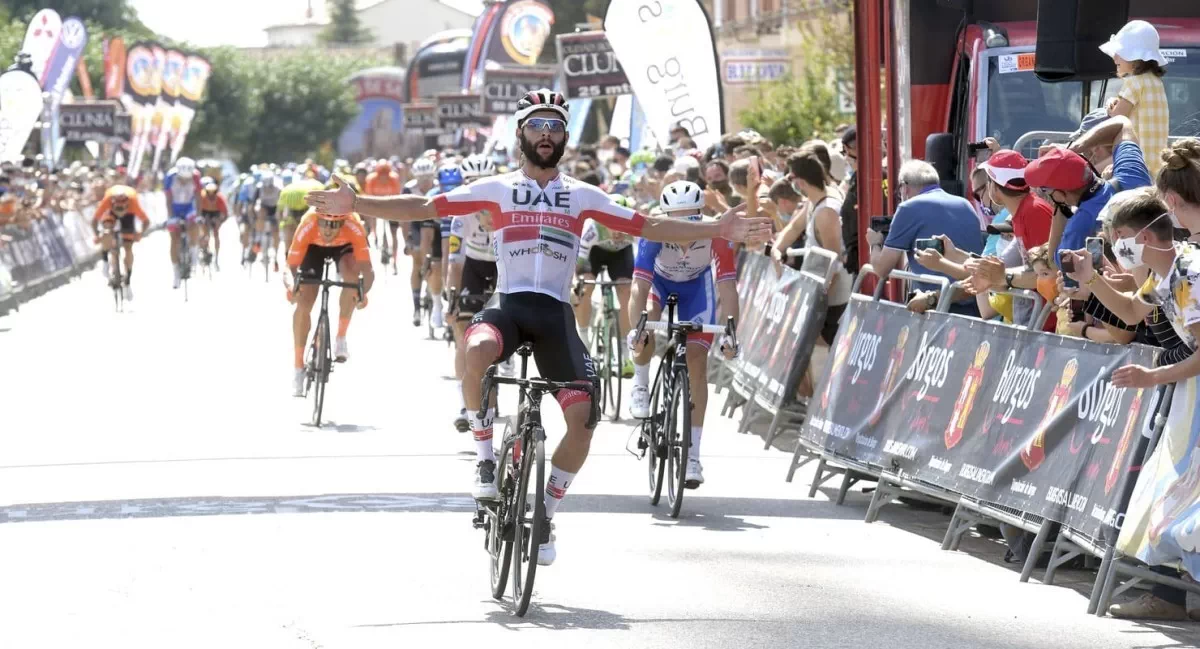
(1144, 237)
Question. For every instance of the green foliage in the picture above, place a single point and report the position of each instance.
(344, 26)
(116, 14)
(259, 109)
(805, 105)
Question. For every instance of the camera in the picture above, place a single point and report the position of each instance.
(881, 224)
(930, 244)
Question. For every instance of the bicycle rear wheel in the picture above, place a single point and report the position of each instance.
(499, 543)
(527, 530)
(656, 454)
(678, 440)
(323, 362)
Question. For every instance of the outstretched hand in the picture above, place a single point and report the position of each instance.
(741, 229)
(333, 201)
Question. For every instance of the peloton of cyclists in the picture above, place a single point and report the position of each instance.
(538, 215)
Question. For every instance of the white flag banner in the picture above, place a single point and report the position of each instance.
(42, 38)
(673, 76)
(20, 108)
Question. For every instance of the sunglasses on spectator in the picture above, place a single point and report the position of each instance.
(545, 125)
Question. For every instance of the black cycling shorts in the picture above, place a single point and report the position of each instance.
(414, 237)
(211, 217)
(270, 211)
(549, 325)
(315, 256)
(618, 262)
(478, 278)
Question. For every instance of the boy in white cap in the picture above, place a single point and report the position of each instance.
(1143, 99)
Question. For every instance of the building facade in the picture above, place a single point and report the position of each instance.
(760, 41)
(390, 22)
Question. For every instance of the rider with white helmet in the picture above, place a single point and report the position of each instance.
(685, 269)
(423, 236)
(182, 187)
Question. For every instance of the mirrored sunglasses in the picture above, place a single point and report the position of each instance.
(545, 124)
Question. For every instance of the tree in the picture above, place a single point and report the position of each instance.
(804, 106)
(343, 24)
(111, 14)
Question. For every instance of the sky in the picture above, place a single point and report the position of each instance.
(234, 22)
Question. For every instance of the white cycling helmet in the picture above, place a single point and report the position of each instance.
(185, 165)
(680, 196)
(544, 99)
(423, 167)
(478, 166)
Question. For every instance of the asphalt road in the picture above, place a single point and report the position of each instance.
(159, 487)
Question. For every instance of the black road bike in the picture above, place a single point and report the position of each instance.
(666, 436)
(185, 259)
(513, 524)
(320, 355)
(607, 345)
(116, 279)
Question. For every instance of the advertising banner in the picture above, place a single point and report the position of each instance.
(1164, 513)
(168, 104)
(42, 38)
(520, 33)
(590, 67)
(60, 72)
(754, 66)
(461, 111)
(1018, 418)
(421, 118)
(90, 120)
(504, 87)
(196, 71)
(20, 107)
(141, 92)
(666, 48)
(114, 68)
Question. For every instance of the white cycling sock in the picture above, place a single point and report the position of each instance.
(556, 488)
(481, 430)
(641, 374)
(694, 453)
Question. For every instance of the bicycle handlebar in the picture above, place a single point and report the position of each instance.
(328, 283)
(490, 380)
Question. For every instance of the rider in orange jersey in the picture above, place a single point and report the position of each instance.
(120, 209)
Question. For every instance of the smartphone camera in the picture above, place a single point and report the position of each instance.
(930, 244)
(1095, 247)
(881, 224)
(1067, 264)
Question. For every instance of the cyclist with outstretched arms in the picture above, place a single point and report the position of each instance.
(538, 215)
(602, 248)
(472, 267)
(687, 270)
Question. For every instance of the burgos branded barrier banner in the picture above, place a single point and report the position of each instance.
(1017, 418)
(781, 317)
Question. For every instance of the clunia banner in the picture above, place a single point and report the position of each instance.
(666, 49)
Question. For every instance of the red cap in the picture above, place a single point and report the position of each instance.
(1007, 168)
(1060, 169)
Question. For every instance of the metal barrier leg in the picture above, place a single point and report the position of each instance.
(1106, 593)
(773, 429)
(1062, 552)
(952, 531)
(1035, 550)
(1106, 566)
(849, 479)
(797, 462)
(882, 496)
(817, 479)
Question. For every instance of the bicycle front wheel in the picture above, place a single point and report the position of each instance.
(678, 433)
(656, 451)
(528, 517)
(499, 542)
(602, 355)
(323, 361)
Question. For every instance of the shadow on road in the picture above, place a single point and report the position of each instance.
(551, 616)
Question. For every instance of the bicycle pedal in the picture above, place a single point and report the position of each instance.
(479, 521)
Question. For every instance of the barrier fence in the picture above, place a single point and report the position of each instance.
(1006, 423)
(52, 249)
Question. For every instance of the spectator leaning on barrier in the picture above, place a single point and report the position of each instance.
(782, 203)
(822, 228)
(1031, 216)
(926, 211)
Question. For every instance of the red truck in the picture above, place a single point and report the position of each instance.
(970, 75)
